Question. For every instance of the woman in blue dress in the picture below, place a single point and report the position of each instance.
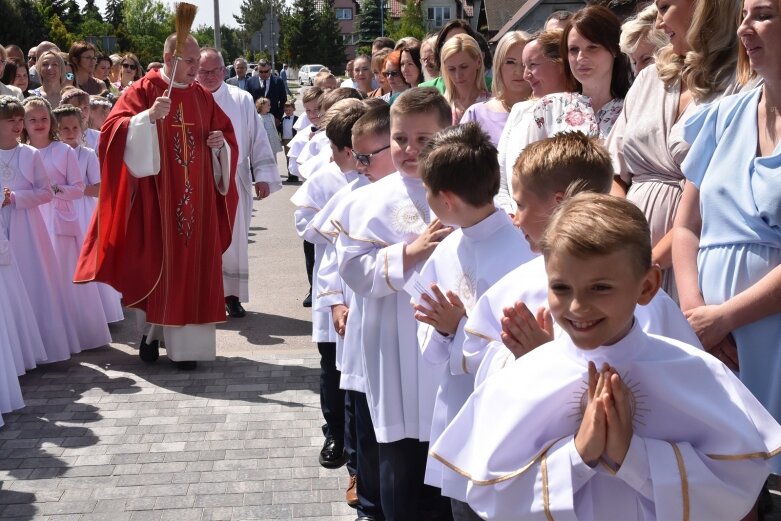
(727, 239)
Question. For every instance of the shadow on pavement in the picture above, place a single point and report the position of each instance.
(59, 411)
(263, 329)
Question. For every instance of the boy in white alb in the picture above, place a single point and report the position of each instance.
(370, 148)
(615, 423)
(313, 195)
(461, 174)
(510, 319)
(387, 232)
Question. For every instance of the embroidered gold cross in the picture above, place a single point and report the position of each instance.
(184, 154)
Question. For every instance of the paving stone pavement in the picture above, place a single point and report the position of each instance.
(106, 436)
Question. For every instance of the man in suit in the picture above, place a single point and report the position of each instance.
(283, 77)
(268, 86)
(240, 80)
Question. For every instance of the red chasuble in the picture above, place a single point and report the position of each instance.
(159, 240)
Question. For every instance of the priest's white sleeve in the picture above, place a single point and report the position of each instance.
(221, 167)
(370, 270)
(142, 150)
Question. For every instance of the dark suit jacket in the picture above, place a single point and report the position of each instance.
(294, 118)
(276, 93)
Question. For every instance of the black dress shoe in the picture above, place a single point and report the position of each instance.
(365, 518)
(332, 456)
(187, 365)
(307, 303)
(234, 307)
(149, 352)
(292, 179)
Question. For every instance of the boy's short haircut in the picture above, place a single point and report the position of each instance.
(289, 104)
(260, 101)
(423, 100)
(375, 102)
(375, 122)
(568, 162)
(322, 76)
(591, 224)
(340, 120)
(461, 160)
(332, 96)
(311, 94)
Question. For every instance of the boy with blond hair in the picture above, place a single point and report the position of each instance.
(511, 318)
(615, 423)
(387, 233)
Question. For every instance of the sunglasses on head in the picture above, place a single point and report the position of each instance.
(391, 74)
(131, 66)
(366, 159)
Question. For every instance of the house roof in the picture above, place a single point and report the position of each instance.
(525, 9)
(497, 12)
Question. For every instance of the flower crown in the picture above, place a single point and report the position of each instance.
(72, 93)
(7, 100)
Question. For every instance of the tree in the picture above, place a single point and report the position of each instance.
(411, 23)
(330, 34)
(252, 14)
(22, 23)
(232, 40)
(90, 11)
(300, 41)
(115, 12)
(370, 24)
(148, 22)
(72, 16)
(59, 34)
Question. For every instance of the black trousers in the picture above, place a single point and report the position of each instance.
(368, 460)
(350, 433)
(309, 258)
(331, 397)
(403, 494)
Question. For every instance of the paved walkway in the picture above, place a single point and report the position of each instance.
(105, 436)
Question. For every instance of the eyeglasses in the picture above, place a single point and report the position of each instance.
(366, 159)
(391, 74)
(32, 59)
(264, 72)
(131, 66)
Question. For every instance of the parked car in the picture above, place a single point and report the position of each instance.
(307, 73)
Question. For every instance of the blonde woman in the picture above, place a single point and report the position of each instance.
(51, 68)
(640, 39)
(647, 145)
(509, 86)
(463, 74)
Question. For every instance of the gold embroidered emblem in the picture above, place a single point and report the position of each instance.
(407, 217)
(184, 151)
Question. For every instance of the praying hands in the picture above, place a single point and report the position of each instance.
(443, 312)
(606, 429)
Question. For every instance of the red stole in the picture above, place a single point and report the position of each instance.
(159, 240)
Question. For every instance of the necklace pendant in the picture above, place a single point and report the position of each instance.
(7, 173)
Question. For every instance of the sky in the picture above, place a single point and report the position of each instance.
(205, 14)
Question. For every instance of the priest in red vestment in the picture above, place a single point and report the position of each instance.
(166, 208)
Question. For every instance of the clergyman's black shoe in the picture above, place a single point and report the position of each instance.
(234, 307)
(187, 365)
(149, 352)
(332, 456)
(307, 303)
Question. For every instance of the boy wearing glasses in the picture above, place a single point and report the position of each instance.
(370, 133)
(387, 231)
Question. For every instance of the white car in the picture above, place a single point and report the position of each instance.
(307, 73)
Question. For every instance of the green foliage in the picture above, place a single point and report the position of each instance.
(72, 16)
(370, 24)
(90, 11)
(311, 34)
(22, 23)
(232, 40)
(252, 14)
(59, 34)
(411, 23)
(148, 23)
(115, 12)
(97, 28)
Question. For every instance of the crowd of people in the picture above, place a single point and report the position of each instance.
(543, 278)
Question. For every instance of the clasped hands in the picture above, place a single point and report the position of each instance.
(443, 312)
(606, 429)
(714, 331)
(162, 107)
(522, 331)
(6, 197)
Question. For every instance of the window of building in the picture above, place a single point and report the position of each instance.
(438, 16)
(344, 13)
(350, 39)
